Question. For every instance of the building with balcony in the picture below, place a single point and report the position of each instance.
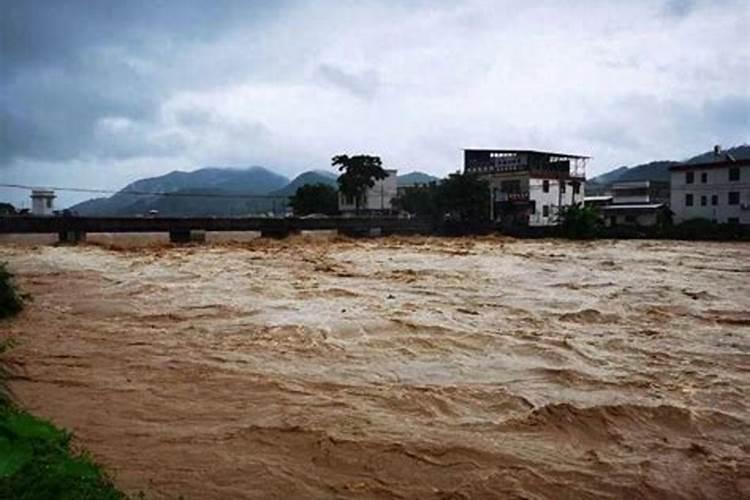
(377, 200)
(527, 187)
(717, 190)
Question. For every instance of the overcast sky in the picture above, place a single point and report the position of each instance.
(100, 93)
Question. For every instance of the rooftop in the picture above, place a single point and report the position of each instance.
(529, 151)
(718, 163)
(645, 206)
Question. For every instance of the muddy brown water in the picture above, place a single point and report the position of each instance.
(395, 368)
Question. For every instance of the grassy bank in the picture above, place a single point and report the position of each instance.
(36, 461)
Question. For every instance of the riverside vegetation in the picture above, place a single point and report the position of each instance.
(36, 460)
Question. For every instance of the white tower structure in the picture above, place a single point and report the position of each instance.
(42, 201)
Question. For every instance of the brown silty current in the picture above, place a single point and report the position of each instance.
(396, 368)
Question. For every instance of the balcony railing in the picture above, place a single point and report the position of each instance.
(521, 196)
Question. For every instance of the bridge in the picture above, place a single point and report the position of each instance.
(72, 229)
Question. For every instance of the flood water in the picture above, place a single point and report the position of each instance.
(395, 368)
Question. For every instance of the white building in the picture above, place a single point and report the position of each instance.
(42, 202)
(528, 188)
(378, 199)
(717, 190)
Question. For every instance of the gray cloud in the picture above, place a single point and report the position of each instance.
(363, 84)
(69, 65)
(679, 8)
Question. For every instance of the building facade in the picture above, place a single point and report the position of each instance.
(637, 203)
(528, 188)
(42, 202)
(717, 190)
(377, 200)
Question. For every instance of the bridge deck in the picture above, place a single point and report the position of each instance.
(59, 224)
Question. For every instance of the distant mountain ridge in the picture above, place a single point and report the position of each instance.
(174, 193)
(657, 170)
(214, 191)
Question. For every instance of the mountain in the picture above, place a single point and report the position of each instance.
(413, 178)
(207, 191)
(311, 177)
(657, 170)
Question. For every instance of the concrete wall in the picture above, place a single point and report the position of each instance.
(718, 184)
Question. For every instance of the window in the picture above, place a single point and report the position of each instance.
(576, 188)
(630, 219)
(562, 187)
(733, 220)
(704, 200)
(704, 177)
(714, 199)
(688, 200)
(533, 206)
(689, 177)
(545, 186)
(49, 203)
(545, 209)
(734, 173)
(734, 198)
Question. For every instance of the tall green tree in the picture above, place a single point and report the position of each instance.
(315, 199)
(359, 173)
(464, 197)
(420, 201)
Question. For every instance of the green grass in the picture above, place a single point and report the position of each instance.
(36, 463)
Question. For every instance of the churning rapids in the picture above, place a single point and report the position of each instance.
(395, 368)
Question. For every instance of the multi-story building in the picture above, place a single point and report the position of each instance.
(377, 200)
(528, 187)
(637, 203)
(716, 190)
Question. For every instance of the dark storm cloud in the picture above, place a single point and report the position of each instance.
(67, 65)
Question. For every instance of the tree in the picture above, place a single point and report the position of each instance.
(464, 197)
(420, 200)
(580, 222)
(7, 209)
(359, 174)
(314, 199)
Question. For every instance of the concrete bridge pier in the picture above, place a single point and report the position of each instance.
(278, 233)
(71, 237)
(363, 232)
(187, 236)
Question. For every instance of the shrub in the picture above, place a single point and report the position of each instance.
(11, 301)
(580, 222)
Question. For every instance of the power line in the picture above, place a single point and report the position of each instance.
(147, 193)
